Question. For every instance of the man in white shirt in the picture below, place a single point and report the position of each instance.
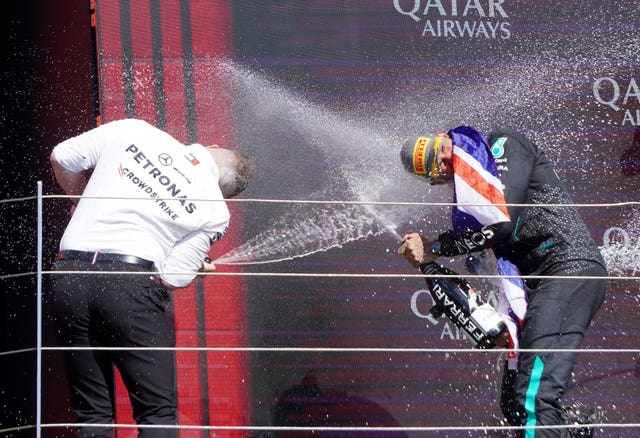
(151, 205)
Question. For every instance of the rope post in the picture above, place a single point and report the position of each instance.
(39, 312)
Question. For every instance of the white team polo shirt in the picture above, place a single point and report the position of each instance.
(127, 207)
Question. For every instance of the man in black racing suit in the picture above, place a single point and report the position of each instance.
(542, 240)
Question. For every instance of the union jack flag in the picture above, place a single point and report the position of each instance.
(480, 201)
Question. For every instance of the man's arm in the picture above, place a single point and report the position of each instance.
(73, 183)
(450, 244)
(207, 266)
(187, 259)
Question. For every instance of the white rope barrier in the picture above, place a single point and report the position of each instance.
(353, 350)
(40, 348)
(326, 275)
(343, 202)
(341, 428)
(343, 275)
(21, 274)
(10, 200)
(377, 350)
(482, 428)
(19, 351)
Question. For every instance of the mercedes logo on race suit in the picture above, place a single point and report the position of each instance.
(165, 159)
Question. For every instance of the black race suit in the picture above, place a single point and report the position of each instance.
(540, 241)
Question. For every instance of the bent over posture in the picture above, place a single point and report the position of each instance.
(148, 215)
(541, 240)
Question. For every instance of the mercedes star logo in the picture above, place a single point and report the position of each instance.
(165, 159)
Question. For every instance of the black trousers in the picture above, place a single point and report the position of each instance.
(98, 309)
(559, 312)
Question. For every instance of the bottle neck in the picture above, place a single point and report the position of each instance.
(430, 268)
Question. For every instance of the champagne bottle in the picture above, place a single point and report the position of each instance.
(459, 301)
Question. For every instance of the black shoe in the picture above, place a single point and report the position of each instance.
(579, 414)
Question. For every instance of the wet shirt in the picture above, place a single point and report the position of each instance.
(148, 196)
(538, 240)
